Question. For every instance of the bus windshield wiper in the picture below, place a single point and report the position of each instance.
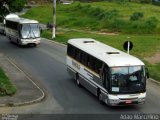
(33, 33)
(29, 33)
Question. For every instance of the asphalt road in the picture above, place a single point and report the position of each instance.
(46, 65)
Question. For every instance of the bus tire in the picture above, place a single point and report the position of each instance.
(100, 98)
(77, 80)
(18, 43)
(9, 38)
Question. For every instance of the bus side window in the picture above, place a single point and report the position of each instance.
(98, 66)
(73, 52)
(84, 58)
(78, 55)
(105, 77)
(91, 62)
(69, 50)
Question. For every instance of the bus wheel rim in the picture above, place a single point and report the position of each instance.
(100, 97)
(78, 82)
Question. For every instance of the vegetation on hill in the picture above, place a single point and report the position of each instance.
(104, 16)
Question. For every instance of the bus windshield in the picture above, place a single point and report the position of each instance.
(30, 31)
(128, 79)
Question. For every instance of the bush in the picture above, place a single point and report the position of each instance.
(136, 27)
(136, 16)
(17, 5)
(95, 11)
(156, 2)
(139, 27)
(151, 23)
(147, 26)
(116, 25)
(89, 0)
(121, 1)
(78, 5)
(100, 14)
(111, 14)
(86, 8)
(141, 1)
(145, 1)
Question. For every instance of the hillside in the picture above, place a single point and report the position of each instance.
(37, 2)
(104, 16)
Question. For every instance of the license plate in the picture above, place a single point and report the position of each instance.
(128, 101)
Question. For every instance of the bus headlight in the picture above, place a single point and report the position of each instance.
(141, 99)
(112, 101)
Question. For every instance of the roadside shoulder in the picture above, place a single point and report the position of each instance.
(27, 91)
(157, 82)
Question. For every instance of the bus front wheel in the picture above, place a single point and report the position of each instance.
(77, 80)
(100, 98)
(18, 43)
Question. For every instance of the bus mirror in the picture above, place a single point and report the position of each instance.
(147, 72)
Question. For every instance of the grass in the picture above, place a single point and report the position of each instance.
(6, 87)
(124, 10)
(154, 71)
(110, 16)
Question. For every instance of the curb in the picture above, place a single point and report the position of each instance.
(49, 40)
(28, 102)
(157, 82)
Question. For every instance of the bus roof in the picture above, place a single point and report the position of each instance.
(11, 16)
(111, 56)
(22, 20)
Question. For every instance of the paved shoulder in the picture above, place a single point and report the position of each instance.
(27, 91)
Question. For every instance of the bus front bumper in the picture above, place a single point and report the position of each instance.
(123, 100)
(30, 41)
(126, 102)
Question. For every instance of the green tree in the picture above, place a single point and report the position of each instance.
(11, 6)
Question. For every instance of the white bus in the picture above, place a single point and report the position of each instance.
(2, 21)
(115, 77)
(23, 31)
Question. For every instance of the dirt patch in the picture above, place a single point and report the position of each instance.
(154, 59)
(105, 33)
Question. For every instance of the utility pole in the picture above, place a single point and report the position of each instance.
(128, 47)
(54, 20)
